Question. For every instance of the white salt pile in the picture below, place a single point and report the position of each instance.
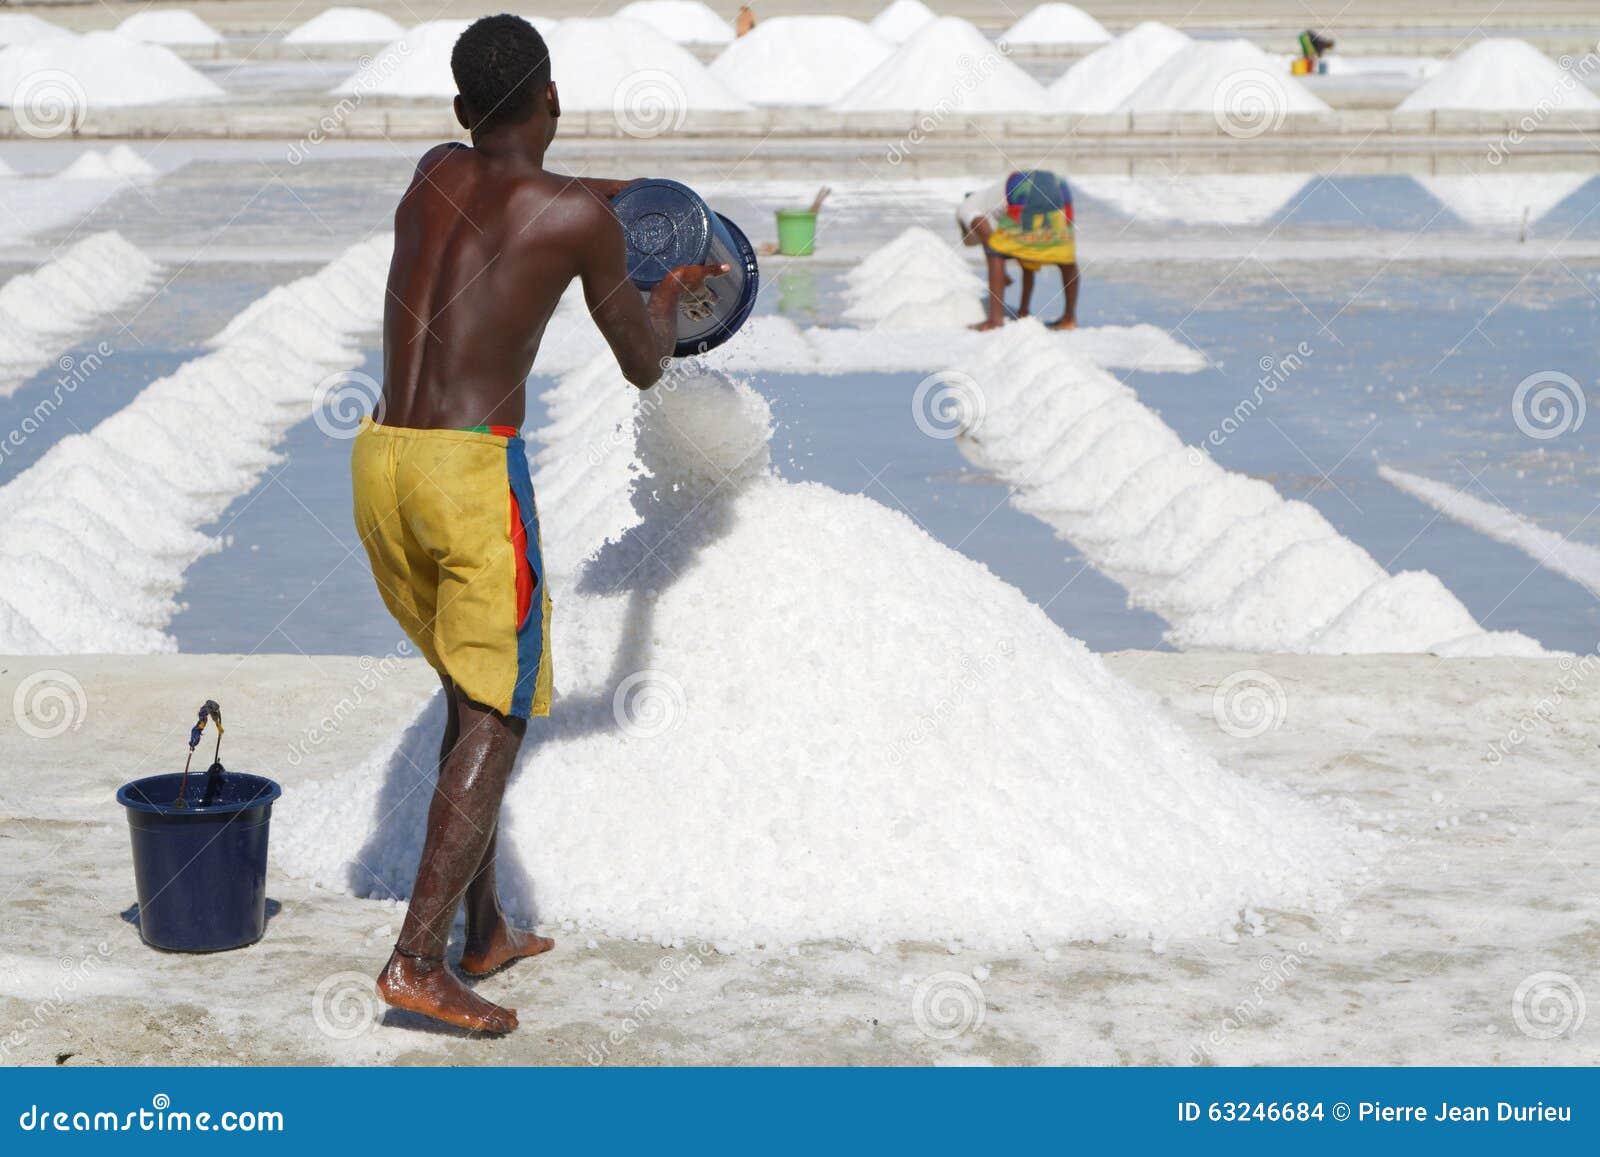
(53, 77)
(1056, 24)
(1499, 74)
(630, 69)
(947, 65)
(1503, 200)
(118, 163)
(1101, 81)
(346, 26)
(914, 282)
(902, 19)
(683, 21)
(1232, 79)
(168, 26)
(800, 60)
(417, 64)
(963, 772)
(25, 28)
(44, 310)
(1223, 558)
(95, 536)
(1195, 198)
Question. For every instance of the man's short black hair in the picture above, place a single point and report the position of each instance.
(501, 66)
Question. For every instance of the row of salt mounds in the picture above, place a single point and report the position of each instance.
(25, 28)
(44, 310)
(630, 69)
(800, 60)
(1054, 803)
(1056, 24)
(682, 21)
(1231, 79)
(914, 282)
(105, 70)
(118, 163)
(902, 20)
(417, 64)
(346, 26)
(947, 64)
(168, 26)
(98, 532)
(1101, 81)
(1503, 75)
(1223, 558)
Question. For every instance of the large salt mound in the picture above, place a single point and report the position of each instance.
(1503, 75)
(800, 60)
(1503, 200)
(1247, 90)
(947, 65)
(1407, 613)
(417, 64)
(1056, 24)
(962, 771)
(168, 26)
(1108, 76)
(25, 28)
(902, 20)
(683, 21)
(630, 69)
(346, 26)
(109, 69)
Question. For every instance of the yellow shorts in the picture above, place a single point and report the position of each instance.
(452, 531)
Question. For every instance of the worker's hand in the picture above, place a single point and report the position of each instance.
(689, 278)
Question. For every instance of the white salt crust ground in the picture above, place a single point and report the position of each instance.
(961, 770)
(110, 70)
(1226, 561)
(98, 532)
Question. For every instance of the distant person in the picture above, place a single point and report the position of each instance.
(1027, 218)
(1313, 47)
(486, 242)
(745, 21)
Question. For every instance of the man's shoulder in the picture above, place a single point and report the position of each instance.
(439, 153)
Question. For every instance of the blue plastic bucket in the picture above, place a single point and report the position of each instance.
(201, 868)
(667, 224)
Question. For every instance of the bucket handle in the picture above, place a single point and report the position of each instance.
(208, 710)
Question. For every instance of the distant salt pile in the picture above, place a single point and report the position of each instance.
(915, 282)
(1056, 24)
(683, 21)
(1101, 81)
(748, 823)
(103, 69)
(902, 20)
(800, 60)
(1503, 200)
(173, 26)
(346, 26)
(629, 69)
(95, 536)
(43, 311)
(949, 64)
(417, 64)
(118, 163)
(1195, 198)
(1499, 74)
(1223, 558)
(1245, 89)
(25, 28)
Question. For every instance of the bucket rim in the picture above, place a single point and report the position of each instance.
(270, 791)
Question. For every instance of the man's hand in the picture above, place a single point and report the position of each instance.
(687, 279)
(663, 305)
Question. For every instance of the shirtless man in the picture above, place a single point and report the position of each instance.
(486, 242)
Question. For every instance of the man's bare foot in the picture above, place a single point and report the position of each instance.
(985, 326)
(429, 987)
(506, 946)
(1064, 323)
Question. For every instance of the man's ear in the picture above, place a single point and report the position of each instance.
(552, 99)
(461, 113)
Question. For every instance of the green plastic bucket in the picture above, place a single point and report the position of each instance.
(797, 232)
